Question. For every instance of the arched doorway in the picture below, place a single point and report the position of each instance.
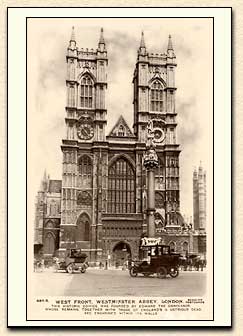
(120, 254)
(185, 248)
(83, 228)
(49, 244)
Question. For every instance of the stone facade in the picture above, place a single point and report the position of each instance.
(103, 196)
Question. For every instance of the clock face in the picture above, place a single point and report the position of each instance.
(159, 135)
(85, 131)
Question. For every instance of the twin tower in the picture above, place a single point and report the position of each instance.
(104, 183)
(154, 90)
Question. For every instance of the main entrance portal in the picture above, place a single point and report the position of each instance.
(120, 254)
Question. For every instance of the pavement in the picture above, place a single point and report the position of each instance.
(116, 282)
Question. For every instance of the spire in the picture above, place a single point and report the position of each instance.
(170, 46)
(44, 182)
(142, 47)
(102, 40)
(101, 44)
(72, 41)
(73, 35)
(142, 43)
(170, 49)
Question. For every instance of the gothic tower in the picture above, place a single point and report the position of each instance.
(86, 84)
(154, 99)
(199, 199)
(82, 147)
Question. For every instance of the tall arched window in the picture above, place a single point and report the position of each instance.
(121, 187)
(71, 96)
(159, 171)
(83, 228)
(49, 244)
(157, 97)
(86, 92)
(85, 171)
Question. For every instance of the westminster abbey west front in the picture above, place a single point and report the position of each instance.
(100, 205)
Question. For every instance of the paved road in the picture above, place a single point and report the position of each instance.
(113, 282)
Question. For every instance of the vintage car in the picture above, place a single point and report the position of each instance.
(73, 260)
(156, 259)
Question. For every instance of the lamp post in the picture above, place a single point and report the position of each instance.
(150, 163)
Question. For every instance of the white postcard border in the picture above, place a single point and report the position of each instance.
(17, 154)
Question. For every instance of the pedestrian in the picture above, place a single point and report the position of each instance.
(129, 263)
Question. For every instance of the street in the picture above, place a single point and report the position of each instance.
(115, 282)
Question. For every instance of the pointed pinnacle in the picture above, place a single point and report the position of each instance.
(72, 35)
(142, 43)
(102, 40)
(170, 46)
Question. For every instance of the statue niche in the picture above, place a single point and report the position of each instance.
(84, 199)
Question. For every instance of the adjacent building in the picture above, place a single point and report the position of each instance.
(199, 209)
(199, 199)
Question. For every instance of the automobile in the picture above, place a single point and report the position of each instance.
(156, 259)
(73, 260)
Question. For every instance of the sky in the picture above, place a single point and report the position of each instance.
(47, 44)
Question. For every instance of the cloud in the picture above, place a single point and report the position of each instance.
(122, 41)
(52, 60)
(189, 128)
(182, 48)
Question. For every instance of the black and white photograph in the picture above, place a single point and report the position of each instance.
(120, 125)
(120, 168)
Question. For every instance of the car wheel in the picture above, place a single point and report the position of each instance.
(83, 270)
(70, 268)
(161, 272)
(174, 272)
(133, 272)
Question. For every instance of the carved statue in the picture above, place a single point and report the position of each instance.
(150, 156)
(150, 128)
